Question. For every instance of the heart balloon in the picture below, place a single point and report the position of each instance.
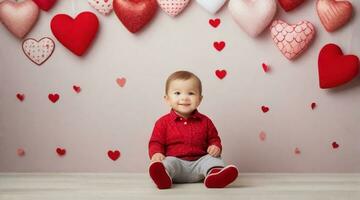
(20, 17)
(173, 7)
(253, 16)
(292, 40)
(38, 51)
(103, 6)
(75, 34)
(135, 14)
(333, 14)
(211, 6)
(45, 4)
(335, 68)
(289, 5)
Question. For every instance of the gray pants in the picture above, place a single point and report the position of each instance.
(183, 171)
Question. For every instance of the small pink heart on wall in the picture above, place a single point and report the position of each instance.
(265, 109)
(114, 155)
(219, 45)
(214, 22)
(20, 152)
(262, 136)
(220, 73)
(121, 81)
(297, 151)
(21, 97)
(54, 97)
(60, 151)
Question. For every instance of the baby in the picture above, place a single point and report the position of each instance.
(184, 146)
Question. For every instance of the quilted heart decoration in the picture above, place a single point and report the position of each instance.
(45, 5)
(38, 51)
(102, 6)
(114, 155)
(135, 14)
(75, 34)
(253, 16)
(333, 14)
(335, 68)
(289, 5)
(173, 7)
(292, 40)
(211, 6)
(19, 17)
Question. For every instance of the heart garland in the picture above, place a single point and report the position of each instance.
(38, 51)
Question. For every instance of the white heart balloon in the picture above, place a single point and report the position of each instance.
(211, 6)
(253, 16)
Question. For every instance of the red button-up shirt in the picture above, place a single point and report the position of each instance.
(187, 139)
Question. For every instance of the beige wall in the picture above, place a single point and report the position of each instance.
(104, 116)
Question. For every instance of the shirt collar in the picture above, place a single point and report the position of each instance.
(194, 115)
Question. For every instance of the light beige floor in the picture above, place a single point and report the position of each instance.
(79, 186)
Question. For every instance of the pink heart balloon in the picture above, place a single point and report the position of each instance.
(19, 17)
(292, 40)
(333, 14)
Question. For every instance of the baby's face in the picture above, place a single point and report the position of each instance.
(183, 96)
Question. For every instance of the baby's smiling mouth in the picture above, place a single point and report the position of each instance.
(184, 104)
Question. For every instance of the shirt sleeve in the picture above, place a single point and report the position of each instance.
(213, 136)
(157, 140)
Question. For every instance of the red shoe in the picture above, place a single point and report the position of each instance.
(159, 175)
(221, 177)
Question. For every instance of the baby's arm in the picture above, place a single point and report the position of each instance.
(157, 143)
(214, 141)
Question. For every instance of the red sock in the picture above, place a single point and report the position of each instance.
(220, 178)
(159, 175)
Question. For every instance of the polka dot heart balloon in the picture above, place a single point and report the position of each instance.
(102, 6)
(173, 7)
(38, 51)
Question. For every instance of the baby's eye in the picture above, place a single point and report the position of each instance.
(177, 93)
(191, 93)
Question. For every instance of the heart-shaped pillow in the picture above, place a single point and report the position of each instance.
(75, 34)
(135, 14)
(211, 6)
(19, 17)
(253, 16)
(335, 68)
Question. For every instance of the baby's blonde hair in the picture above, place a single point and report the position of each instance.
(182, 75)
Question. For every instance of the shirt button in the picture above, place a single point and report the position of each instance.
(180, 118)
(185, 123)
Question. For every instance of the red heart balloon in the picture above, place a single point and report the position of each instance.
(45, 4)
(289, 5)
(75, 34)
(135, 14)
(335, 68)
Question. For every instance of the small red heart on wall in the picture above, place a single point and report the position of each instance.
(53, 97)
(313, 105)
(265, 67)
(20, 152)
(265, 109)
(121, 81)
(289, 5)
(219, 45)
(335, 145)
(21, 97)
(60, 151)
(114, 155)
(214, 22)
(77, 89)
(221, 73)
(297, 151)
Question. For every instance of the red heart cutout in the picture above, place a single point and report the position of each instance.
(219, 45)
(289, 5)
(45, 4)
(54, 97)
(297, 151)
(335, 68)
(21, 97)
(135, 14)
(77, 89)
(265, 67)
(220, 73)
(335, 145)
(313, 105)
(75, 34)
(60, 151)
(214, 22)
(114, 155)
(265, 109)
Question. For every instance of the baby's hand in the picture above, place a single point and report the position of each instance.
(157, 157)
(214, 151)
